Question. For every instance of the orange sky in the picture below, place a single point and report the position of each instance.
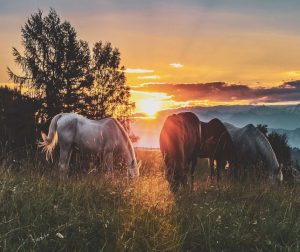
(237, 42)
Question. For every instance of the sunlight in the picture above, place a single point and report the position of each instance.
(149, 106)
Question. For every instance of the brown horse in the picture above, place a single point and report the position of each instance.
(180, 145)
(216, 144)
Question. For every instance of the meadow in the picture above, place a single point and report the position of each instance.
(96, 212)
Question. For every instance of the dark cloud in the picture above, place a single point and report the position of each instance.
(223, 92)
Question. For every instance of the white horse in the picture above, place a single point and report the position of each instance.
(252, 146)
(106, 138)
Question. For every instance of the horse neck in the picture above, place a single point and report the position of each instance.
(268, 155)
(127, 146)
(129, 152)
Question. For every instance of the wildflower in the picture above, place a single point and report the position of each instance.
(59, 235)
(14, 189)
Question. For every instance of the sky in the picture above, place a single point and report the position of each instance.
(219, 51)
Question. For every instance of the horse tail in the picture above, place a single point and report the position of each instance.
(48, 142)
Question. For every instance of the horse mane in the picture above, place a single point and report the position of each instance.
(262, 139)
(125, 135)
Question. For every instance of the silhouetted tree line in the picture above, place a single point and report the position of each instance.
(279, 143)
(59, 73)
(17, 118)
(283, 151)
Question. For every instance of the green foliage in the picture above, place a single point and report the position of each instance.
(263, 128)
(109, 95)
(58, 68)
(54, 62)
(280, 146)
(40, 212)
(17, 118)
(279, 143)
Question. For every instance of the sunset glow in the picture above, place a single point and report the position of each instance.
(149, 106)
(239, 44)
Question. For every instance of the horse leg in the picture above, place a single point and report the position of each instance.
(235, 171)
(184, 180)
(64, 158)
(182, 175)
(212, 168)
(219, 169)
(194, 162)
(108, 161)
(179, 177)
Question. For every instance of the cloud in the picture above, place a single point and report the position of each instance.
(138, 70)
(176, 65)
(224, 92)
(152, 77)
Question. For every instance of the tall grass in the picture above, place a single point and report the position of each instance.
(97, 212)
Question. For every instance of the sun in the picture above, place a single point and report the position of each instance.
(149, 106)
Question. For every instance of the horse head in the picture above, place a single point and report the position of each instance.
(134, 169)
(277, 176)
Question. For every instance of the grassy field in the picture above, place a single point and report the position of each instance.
(94, 212)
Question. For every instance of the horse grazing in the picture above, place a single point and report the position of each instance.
(105, 138)
(251, 146)
(180, 144)
(216, 145)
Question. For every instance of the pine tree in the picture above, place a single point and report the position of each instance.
(54, 63)
(109, 95)
(58, 70)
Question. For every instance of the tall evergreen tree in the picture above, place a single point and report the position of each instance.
(280, 146)
(57, 67)
(109, 95)
(17, 118)
(279, 143)
(54, 63)
(263, 128)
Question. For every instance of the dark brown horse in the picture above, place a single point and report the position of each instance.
(216, 144)
(180, 145)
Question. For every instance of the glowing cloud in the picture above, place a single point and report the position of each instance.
(138, 70)
(176, 65)
(152, 77)
(221, 92)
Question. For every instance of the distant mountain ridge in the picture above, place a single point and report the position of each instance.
(279, 118)
(284, 117)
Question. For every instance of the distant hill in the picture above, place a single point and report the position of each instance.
(282, 119)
